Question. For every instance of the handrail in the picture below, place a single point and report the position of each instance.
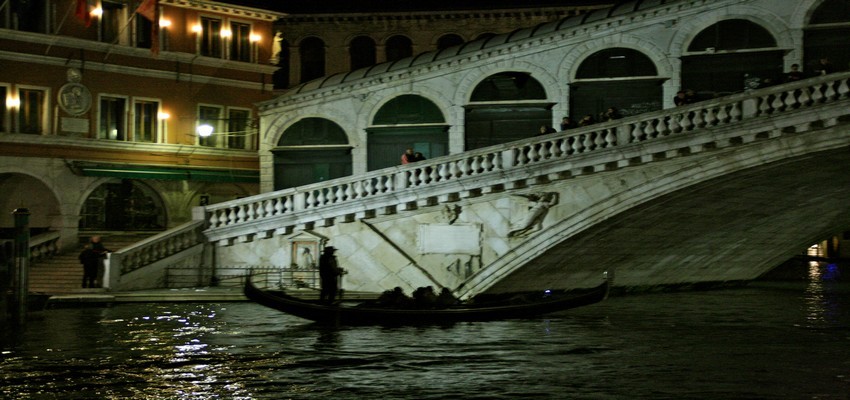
(400, 183)
(155, 248)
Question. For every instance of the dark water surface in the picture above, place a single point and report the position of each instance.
(779, 341)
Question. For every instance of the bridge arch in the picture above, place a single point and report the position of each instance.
(598, 205)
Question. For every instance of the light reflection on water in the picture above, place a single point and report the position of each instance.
(761, 342)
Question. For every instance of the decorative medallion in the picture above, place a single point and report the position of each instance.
(74, 98)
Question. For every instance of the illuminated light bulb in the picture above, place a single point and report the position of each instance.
(205, 130)
(254, 37)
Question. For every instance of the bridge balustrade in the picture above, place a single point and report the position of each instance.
(478, 169)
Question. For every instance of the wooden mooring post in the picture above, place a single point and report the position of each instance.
(20, 269)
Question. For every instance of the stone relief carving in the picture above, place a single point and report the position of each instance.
(451, 214)
(539, 204)
(74, 98)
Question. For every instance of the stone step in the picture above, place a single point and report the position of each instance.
(63, 273)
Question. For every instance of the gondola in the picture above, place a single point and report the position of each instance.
(373, 314)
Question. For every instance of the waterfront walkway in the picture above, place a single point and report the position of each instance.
(98, 297)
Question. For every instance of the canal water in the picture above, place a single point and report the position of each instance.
(769, 340)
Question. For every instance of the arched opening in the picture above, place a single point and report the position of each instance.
(729, 57)
(361, 51)
(127, 205)
(448, 40)
(24, 191)
(312, 51)
(406, 121)
(620, 78)
(281, 76)
(505, 107)
(311, 150)
(827, 35)
(399, 47)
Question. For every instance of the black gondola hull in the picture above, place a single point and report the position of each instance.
(371, 315)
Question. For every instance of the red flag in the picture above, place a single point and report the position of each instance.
(82, 12)
(150, 10)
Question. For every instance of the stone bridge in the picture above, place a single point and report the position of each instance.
(718, 191)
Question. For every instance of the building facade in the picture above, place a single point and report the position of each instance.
(316, 45)
(122, 115)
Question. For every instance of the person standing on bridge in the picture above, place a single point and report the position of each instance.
(329, 273)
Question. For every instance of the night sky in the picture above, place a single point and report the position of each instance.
(354, 6)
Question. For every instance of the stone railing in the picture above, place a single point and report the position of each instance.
(155, 248)
(44, 245)
(490, 169)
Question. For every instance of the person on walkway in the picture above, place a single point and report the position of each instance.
(408, 156)
(97, 246)
(329, 273)
(91, 263)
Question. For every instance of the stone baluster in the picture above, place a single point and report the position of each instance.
(637, 132)
(367, 187)
(610, 137)
(698, 120)
(830, 92)
(379, 184)
(320, 197)
(331, 194)
(710, 117)
(475, 167)
(349, 192)
(817, 95)
(357, 190)
(390, 183)
(444, 172)
(533, 154)
(213, 221)
(735, 114)
(454, 171)
(843, 88)
(522, 158)
(486, 164)
(723, 115)
(649, 130)
(232, 216)
(311, 200)
(339, 192)
(544, 150)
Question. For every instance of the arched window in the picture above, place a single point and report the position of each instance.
(508, 86)
(827, 35)
(619, 78)
(361, 51)
(732, 34)
(312, 52)
(399, 47)
(505, 107)
(729, 57)
(407, 121)
(616, 63)
(448, 40)
(311, 150)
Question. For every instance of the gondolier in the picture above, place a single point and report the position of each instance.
(329, 273)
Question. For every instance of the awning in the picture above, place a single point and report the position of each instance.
(166, 173)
